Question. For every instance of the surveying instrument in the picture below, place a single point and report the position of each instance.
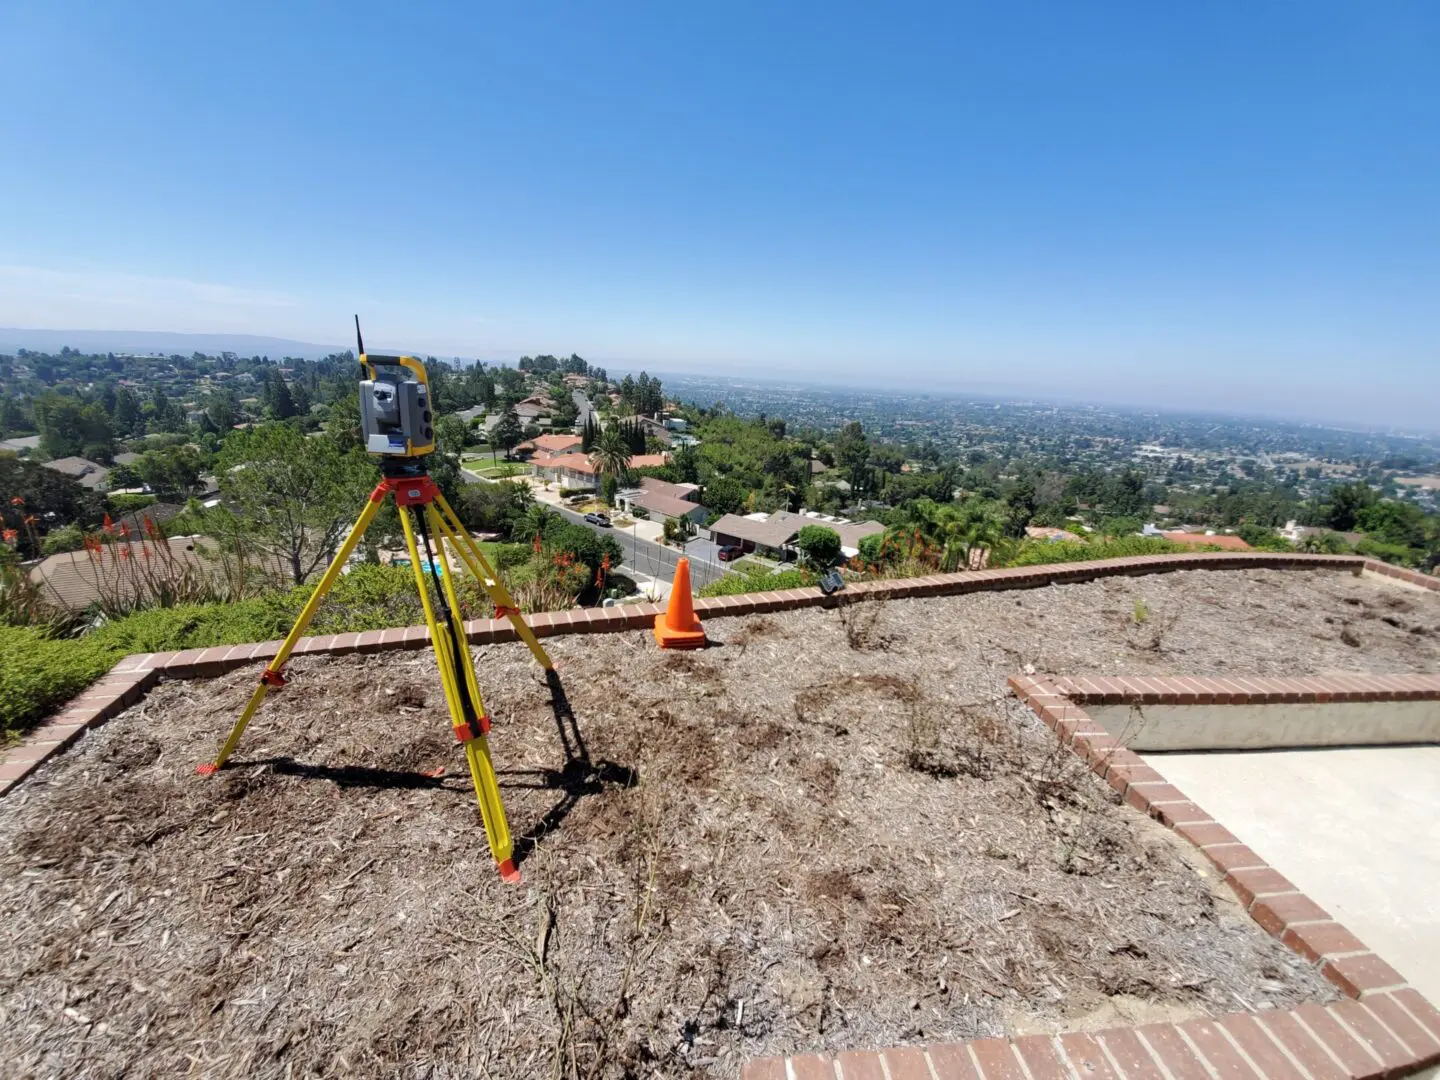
(397, 426)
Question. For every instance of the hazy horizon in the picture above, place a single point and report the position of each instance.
(1229, 209)
(14, 337)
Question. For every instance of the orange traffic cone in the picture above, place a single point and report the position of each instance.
(678, 628)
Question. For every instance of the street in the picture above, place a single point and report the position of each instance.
(655, 559)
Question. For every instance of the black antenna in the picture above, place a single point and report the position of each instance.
(359, 341)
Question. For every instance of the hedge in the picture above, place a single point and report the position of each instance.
(39, 673)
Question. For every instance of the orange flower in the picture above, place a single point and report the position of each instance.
(17, 501)
(124, 553)
(30, 519)
(10, 535)
(108, 524)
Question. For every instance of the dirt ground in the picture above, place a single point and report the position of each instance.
(831, 829)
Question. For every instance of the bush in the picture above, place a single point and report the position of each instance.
(66, 538)
(39, 673)
(819, 545)
(757, 579)
(1041, 552)
(123, 504)
(872, 547)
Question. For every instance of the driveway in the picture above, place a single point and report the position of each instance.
(656, 559)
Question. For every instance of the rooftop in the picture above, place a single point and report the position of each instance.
(837, 816)
(89, 473)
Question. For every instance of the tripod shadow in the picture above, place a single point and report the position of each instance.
(350, 776)
(577, 778)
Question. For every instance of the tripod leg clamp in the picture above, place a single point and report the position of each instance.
(503, 612)
(271, 677)
(472, 729)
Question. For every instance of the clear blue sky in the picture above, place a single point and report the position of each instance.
(1231, 205)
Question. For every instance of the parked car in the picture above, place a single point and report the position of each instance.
(598, 519)
(730, 552)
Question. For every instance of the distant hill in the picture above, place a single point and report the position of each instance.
(155, 341)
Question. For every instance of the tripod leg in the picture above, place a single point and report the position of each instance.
(271, 675)
(475, 561)
(462, 694)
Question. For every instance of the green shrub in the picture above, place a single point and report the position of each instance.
(1042, 552)
(38, 673)
(66, 538)
(819, 546)
(748, 581)
(123, 504)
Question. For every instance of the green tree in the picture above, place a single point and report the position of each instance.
(278, 399)
(173, 473)
(819, 546)
(294, 496)
(1342, 511)
(127, 418)
(51, 498)
(508, 432)
(611, 456)
(852, 456)
(69, 427)
(494, 507)
(223, 408)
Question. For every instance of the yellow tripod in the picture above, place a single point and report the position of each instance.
(415, 493)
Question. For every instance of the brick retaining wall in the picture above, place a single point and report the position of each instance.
(116, 691)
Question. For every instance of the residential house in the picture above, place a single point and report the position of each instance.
(91, 475)
(1052, 535)
(774, 534)
(661, 499)
(21, 444)
(575, 472)
(1220, 540)
(532, 408)
(119, 571)
(547, 446)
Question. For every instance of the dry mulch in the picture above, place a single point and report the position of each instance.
(832, 829)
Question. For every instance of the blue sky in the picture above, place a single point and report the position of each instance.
(1225, 205)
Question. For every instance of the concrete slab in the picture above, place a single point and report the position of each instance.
(1357, 830)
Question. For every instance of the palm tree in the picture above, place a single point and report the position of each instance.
(611, 455)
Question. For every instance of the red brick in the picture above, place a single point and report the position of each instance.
(1369, 1030)
(1420, 1008)
(1257, 882)
(1120, 777)
(14, 770)
(1259, 1048)
(1229, 857)
(1130, 1055)
(997, 1060)
(1352, 1054)
(952, 1062)
(1181, 813)
(1216, 1049)
(1141, 796)
(1316, 940)
(812, 1067)
(1206, 834)
(1086, 1057)
(1362, 974)
(906, 1063)
(772, 1068)
(1275, 913)
(1416, 1037)
(860, 1065)
(1303, 1046)
(1170, 1047)
(1041, 1060)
